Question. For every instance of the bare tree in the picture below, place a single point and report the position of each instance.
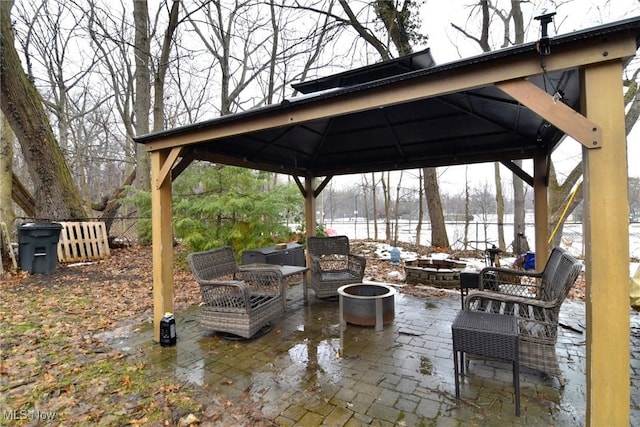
(386, 195)
(365, 196)
(234, 37)
(56, 195)
(62, 67)
(374, 199)
(142, 93)
(420, 208)
(397, 210)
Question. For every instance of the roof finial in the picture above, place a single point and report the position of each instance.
(545, 18)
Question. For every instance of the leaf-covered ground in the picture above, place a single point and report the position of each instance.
(52, 364)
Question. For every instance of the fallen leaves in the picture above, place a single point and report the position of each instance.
(169, 388)
(51, 359)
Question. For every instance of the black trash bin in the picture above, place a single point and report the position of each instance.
(38, 246)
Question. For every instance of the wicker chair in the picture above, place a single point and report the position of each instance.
(234, 300)
(332, 265)
(535, 299)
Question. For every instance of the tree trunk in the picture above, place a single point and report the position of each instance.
(56, 195)
(163, 65)
(365, 197)
(113, 204)
(387, 207)
(6, 166)
(374, 199)
(397, 212)
(420, 208)
(434, 204)
(143, 91)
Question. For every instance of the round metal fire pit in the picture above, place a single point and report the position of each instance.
(367, 304)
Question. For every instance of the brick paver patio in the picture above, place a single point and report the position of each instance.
(402, 375)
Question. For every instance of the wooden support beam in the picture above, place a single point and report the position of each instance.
(165, 171)
(323, 184)
(517, 170)
(303, 191)
(606, 231)
(554, 111)
(162, 235)
(541, 207)
(187, 158)
(317, 191)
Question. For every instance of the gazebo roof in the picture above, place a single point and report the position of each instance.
(406, 113)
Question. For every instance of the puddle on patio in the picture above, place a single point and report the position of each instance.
(404, 372)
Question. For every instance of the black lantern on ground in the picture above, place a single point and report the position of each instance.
(168, 330)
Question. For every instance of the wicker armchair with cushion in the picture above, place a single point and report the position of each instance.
(234, 300)
(535, 300)
(332, 265)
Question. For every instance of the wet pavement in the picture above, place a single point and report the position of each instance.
(402, 375)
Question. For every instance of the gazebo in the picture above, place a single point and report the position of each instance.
(515, 103)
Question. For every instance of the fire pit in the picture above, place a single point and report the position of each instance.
(367, 304)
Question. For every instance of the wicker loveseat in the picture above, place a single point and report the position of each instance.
(332, 265)
(234, 300)
(535, 299)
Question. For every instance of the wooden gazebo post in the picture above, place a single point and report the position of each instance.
(606, 223)
(309, 206)
(309, 215)
(541, 204)
(162, 235)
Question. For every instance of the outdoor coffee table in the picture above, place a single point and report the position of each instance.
(286, 271)
(489, 335)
